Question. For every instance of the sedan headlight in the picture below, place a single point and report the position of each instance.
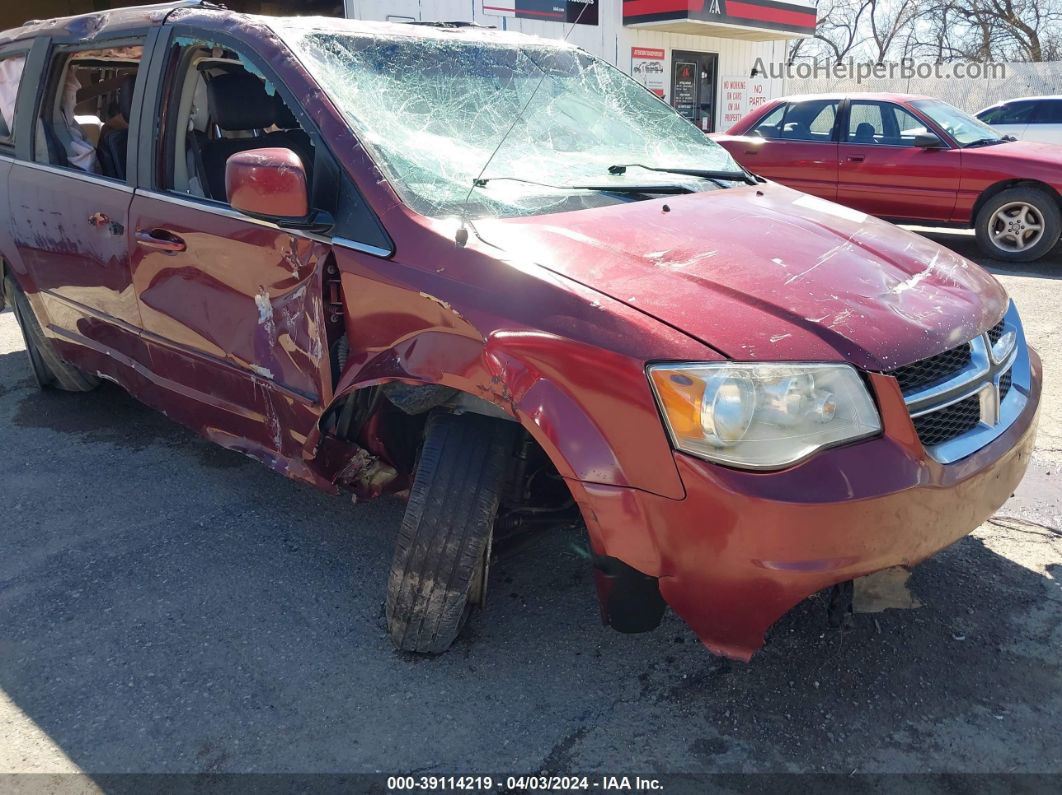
(762, 416)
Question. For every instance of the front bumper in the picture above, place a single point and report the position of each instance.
(742, 547)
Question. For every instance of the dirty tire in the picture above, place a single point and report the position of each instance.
(48, 368)
(445, 536)
(1041, 203)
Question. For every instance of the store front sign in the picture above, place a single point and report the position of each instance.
(647, 67)
(751, 19)
(739, 96)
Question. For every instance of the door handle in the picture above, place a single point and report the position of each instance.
(159, 239)
(856, 158)
(752, 151)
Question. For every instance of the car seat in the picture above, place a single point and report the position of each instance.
(864, 133)
(114, 144)
(239, 102)
(289, 134)
(797, 130)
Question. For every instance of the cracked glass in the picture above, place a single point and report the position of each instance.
(485, 124)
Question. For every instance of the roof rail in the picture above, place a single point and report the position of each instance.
(172, 5)
(452, 24)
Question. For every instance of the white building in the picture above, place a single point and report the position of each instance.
(698, 55)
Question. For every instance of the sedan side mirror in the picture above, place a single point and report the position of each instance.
(269, 184)
(928, 140)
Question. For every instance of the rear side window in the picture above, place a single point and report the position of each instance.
(769, 125)
(1049, 111)
(83, 123)
(811, 120)
(1010, 113)
(11, 69)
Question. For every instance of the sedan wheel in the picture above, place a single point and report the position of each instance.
(1019, 224)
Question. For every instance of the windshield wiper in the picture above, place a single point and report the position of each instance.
(984, 142)
(602, 188)
(715, 176)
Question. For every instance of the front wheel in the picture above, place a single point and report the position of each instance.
(442, 554)
(1019, 224)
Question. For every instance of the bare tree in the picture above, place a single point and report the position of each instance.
(941, 30)
(892, 26)
(839, 31)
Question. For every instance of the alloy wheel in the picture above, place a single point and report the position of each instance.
(1017, 226)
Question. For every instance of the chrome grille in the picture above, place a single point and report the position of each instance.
(963, 398)
(996, 332)
(949, 422)
(1005, 381)
(934, 369)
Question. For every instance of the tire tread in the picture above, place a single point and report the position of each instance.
(445, 529)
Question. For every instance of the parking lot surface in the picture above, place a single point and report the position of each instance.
(169, 606)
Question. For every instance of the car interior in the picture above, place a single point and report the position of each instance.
(224, 108)
(800, 121)
(84, 119)
(883, 124)
(1010, 113)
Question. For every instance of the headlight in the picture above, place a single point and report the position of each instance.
(762, 416)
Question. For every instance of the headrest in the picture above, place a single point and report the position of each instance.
(284, 118)
(864, 131)
(200, 110)
(125, 95)
(238, 101)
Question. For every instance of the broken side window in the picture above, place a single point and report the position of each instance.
(220, 104)
(84, 115)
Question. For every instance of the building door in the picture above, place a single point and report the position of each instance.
(693, 84)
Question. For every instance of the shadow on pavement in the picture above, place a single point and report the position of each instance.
(961, 241)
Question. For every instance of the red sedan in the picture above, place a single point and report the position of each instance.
(909, 159)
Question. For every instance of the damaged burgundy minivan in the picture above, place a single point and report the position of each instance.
(494, 274)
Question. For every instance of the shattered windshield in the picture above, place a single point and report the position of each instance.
(434, 108)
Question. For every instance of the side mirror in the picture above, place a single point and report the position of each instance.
(270, 184)
(928, 140)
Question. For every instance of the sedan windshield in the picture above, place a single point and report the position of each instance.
(545, 121)
(964, 128)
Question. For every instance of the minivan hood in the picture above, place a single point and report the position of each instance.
(767, 273)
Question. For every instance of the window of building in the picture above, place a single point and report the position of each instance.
(83, 122)
(11, 69)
